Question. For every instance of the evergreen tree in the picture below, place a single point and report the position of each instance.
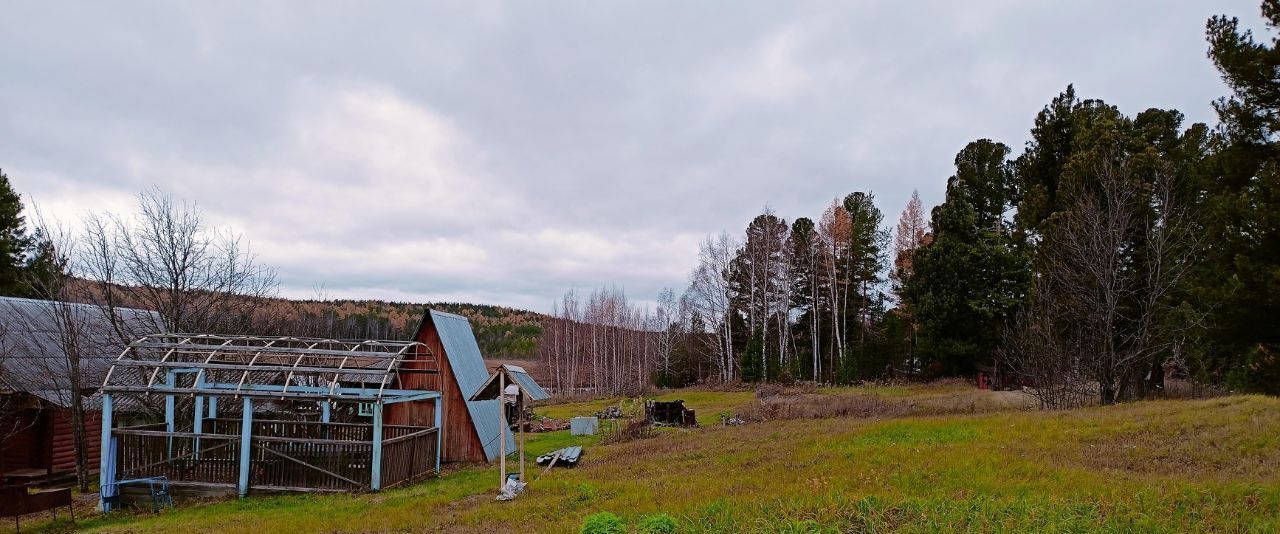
(46, 270)
(14, 241)
(863, 265)
(806, 296)
(1241, 274)
(971, 279)
(756, 283)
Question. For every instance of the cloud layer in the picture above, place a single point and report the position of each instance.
(504, 153)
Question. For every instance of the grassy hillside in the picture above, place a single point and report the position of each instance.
(1204, 465)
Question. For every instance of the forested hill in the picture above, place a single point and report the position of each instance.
(502, 332)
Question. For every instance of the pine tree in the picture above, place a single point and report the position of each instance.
(14, 241)
(806, 296)
(971, 278)
(864, 263)
(1242, 271)
(757, 283)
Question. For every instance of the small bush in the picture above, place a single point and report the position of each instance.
(585, 494)
(657, 524)
(603, 523)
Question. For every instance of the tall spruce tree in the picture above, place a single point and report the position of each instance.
(14, 241)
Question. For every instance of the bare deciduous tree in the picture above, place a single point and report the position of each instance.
(668, 327)
(167, 259)
(1110, 264)
(709, 292)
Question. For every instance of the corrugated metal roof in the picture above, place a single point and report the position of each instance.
(519, 377)
(32, 345)
(526, 383)
(469, 371)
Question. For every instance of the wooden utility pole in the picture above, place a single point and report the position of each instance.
(502, 430)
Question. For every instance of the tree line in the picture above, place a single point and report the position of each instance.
(1112, 251)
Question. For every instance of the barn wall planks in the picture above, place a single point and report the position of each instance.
(461, 444)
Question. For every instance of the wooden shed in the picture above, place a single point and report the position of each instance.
(35, 392)
(471, 428)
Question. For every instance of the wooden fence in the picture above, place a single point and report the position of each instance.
(284, 455)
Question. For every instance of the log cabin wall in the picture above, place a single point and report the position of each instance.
(64, 442)
(45, 440)
(22, 437)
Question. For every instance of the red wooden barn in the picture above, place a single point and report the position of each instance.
(471, 428)
(35, 393)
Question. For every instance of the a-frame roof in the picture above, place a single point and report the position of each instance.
(463, 354)
(517, 376)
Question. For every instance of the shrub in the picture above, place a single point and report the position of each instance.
(603, 523)
(657, 524)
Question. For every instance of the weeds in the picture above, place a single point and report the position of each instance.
(603, 523)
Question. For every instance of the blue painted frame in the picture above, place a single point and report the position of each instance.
(207, 394)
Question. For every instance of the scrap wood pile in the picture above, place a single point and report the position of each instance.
(545, 424)
(671, 413)
(611, 412)
(532, 422)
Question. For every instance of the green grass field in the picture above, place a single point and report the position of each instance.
(1173, 466)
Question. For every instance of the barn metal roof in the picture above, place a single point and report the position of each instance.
(32, 344)
(267, 367)
(469, 370)
(515, 375)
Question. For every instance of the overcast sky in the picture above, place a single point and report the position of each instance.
(504, 153)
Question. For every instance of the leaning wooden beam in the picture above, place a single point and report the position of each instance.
(305, 464)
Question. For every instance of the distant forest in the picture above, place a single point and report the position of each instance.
(502, 332)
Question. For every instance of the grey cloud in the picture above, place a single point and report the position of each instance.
(508, 151)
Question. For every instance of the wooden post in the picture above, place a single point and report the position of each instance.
(246, 443)
(170, 380)
(502, 430)
(520, 405)
(375, 477)
(197, 426)
(439, 431)
(326, 409)
(106, 474)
